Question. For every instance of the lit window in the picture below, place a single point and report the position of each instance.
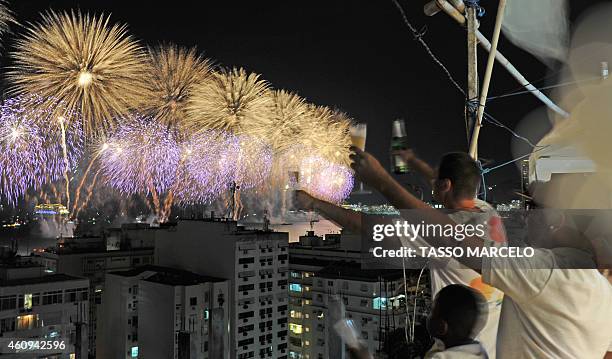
(307, 343)
(295, 287)
(26, 322)
(295, 328)
(134, 352)
(295, 314)
(206, 314)
(27, 301)
(379, 303)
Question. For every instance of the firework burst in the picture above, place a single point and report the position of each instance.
(6, 17)
(327, 134)
(326, 180)
(35, 147)
(208, 169)
(83, 61)
(174, 74)
(232, 101)
(253, 162)
(141, 157)
(287, 123)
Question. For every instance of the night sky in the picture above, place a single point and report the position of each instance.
(355, 56)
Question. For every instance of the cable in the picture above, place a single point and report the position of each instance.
(416, 292)
(418, 37)
(407, 321)
(541, 88)
(472, 104)
(484, 183)
(487, 170)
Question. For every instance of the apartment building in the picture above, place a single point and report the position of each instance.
(38, 307)
(254, 261)
(327, 269)
(159, 312)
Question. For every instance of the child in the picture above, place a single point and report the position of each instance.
(457, 316)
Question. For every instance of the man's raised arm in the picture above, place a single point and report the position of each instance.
(345, 218)
(371, 172)
(418, 165)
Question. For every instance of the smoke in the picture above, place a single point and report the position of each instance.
(582, 143)
(540, 27)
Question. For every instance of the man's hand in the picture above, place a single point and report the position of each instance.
(302, 200)
(367, 168)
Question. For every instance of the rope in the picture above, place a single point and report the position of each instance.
(541, 88)
(473, 104)
(418, 36)
(480, 11)
(487, 170)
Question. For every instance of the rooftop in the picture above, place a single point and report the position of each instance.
(353, 271)
(169, 276)
(52, 278)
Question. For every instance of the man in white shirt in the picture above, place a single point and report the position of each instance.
(455, 184)
(556, 304)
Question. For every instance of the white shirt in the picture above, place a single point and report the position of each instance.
(551, 313)
(467, 351)
(451, 271)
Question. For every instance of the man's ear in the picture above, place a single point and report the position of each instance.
(446, 185)
(441, 329)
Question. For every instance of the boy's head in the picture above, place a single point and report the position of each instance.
(458, 314)
(458, 178)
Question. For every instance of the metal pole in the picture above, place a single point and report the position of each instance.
(445, 6)
(472, 58)
(487, 79)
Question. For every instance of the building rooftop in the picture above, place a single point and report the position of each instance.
(353, 271)
(169, 276)
(40, 280)
(313, 262)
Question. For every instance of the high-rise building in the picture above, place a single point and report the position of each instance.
(93, 257)
(254, 261)
(159, 312)
(38, 307)
(325, 270)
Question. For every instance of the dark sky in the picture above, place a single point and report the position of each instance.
(354, 55)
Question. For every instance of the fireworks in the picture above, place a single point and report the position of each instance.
(325, 180)
(6, 17)
(175, 72)
(253, 162)
(327, 133)
(287, 123)
(84, 62)
(209, 167)
(196, 135)
(141, 156)
(34, 149)
(232, 101)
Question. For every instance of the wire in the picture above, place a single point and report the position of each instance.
(416, 292)
(473, 104)
(541, 88)
(483, 194)
(418, 36)
(487, 170)
(407, 321)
